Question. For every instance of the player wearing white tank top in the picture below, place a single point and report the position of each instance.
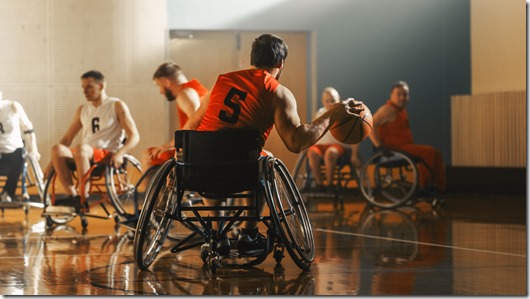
(103, 121)
(16, 132)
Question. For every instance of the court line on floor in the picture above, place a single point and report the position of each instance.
(415, 242)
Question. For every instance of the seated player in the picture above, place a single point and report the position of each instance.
(16, 133)
(392, 131)
(188, 94)
(328, 151)
(254, 99)
(102, 122)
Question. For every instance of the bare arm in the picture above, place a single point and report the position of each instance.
(297, 136)
(195, 120)
(382, 116)
(127, 123)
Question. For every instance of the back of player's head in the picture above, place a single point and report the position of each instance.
(268, 51)
(96, 75)
(167, 70)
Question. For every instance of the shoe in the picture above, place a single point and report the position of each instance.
(250, 242)
(5, 198)
(72, 201)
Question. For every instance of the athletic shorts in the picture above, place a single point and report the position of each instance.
(321, 149)
(98, 154)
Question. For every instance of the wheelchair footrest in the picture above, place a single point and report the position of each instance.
(11, 205)
(59, 211)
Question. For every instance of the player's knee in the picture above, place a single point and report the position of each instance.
(82, 151)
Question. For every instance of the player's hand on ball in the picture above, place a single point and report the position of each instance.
(353, 107)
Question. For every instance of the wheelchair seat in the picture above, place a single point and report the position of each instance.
(223, 165)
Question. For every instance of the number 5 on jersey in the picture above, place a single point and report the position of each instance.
(232, 101)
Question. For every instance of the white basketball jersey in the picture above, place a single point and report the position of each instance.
(13, 120)
(327, 138)
(101, 128)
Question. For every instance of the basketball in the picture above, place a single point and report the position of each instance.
(353, 129)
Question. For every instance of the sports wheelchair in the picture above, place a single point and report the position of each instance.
(389, 179)
(224, 165)
(31, 178)
(117, 186)
(345, 177)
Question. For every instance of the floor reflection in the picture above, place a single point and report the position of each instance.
(474, 246)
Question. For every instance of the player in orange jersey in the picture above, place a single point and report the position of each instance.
(254, 99)
(392, 131)
(174, 85)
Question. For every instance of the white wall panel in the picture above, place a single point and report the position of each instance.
(48, 44)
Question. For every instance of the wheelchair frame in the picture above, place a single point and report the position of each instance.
(237, 174)
(31, 176)
(304, 178)
(389, 179)
(116, 189)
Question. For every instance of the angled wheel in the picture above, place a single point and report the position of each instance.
(52, 191)
(34, 175)
(302, 173)
(389, 180)
(122, 187)
(289, 214)
(153, 224)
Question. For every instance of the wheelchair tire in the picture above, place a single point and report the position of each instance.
(122, 187)
(47, 201)
(302, 173)
(289, 214)
(389, 181)
(153, 224)
(34, 175)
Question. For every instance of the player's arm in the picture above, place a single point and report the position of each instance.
(73, 129)
(195, 119)
(129, 126)
(28, 134)
(297, 136)
(382, 116)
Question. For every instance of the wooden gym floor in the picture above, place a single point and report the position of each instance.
(475, 245)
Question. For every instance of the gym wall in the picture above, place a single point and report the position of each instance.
(48, 44)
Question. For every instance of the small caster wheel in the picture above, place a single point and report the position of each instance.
(84, 223)
(215, 264)
(278, 253)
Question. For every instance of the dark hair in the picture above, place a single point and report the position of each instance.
(399, 84)
(96, 75)
(167, 70)
(268, 50)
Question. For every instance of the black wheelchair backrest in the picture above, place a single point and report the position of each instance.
(223, 161)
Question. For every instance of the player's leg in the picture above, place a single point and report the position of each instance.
(15, 163)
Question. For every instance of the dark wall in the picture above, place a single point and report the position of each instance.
(426, 43)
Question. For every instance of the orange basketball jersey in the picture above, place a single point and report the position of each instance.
(199, 88)
(242, 99)
(397, 132)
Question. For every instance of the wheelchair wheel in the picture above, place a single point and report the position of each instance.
(122, 187)
(34, 175)
(153, 224)
(389, 180)
(289, 214)
(302, 173)
(53, 189)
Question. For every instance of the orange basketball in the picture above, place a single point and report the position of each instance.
(353, 129)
